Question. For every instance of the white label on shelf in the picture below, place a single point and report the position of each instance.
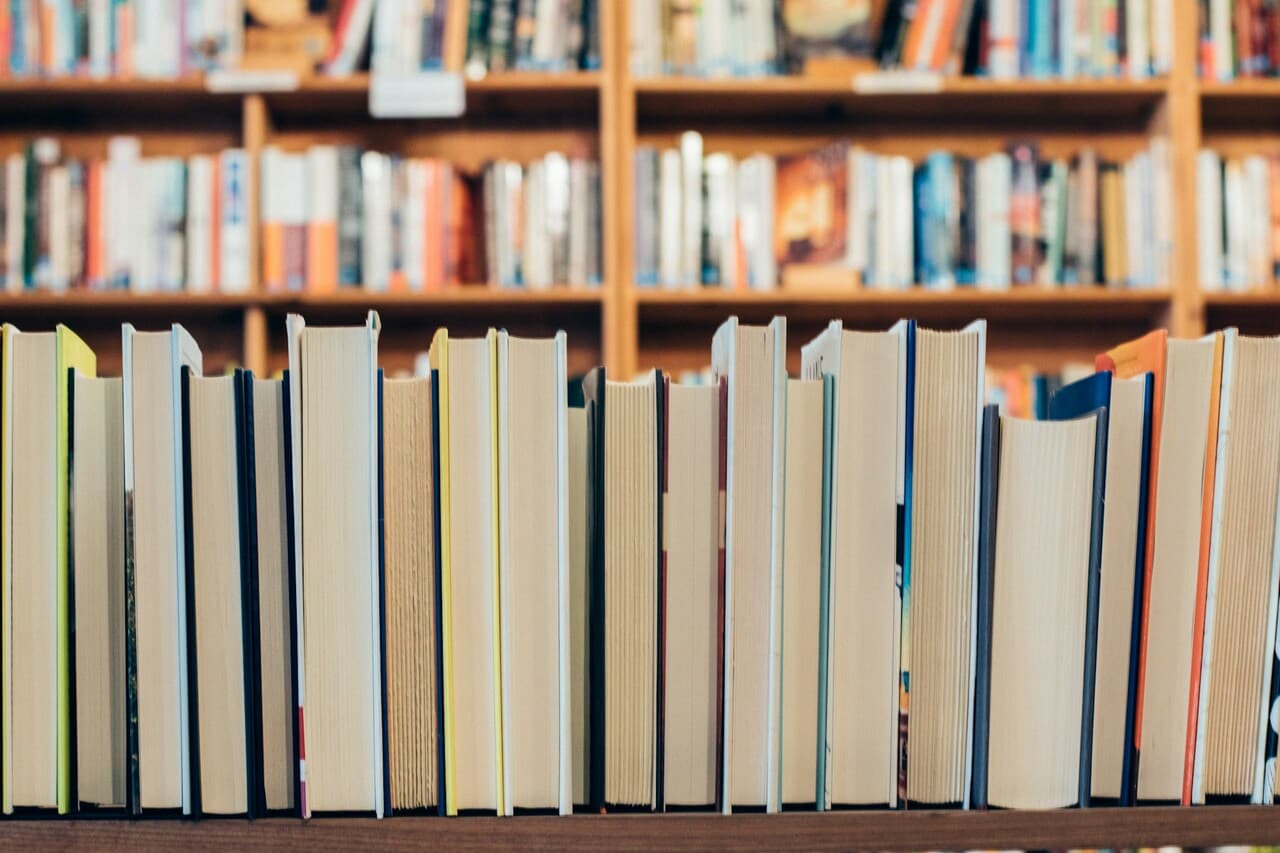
(422, 94)
(897, 82)
(251, 81)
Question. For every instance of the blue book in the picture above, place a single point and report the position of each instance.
(907, 332)
(1040, 43)
(824, 606)
(936, 239)
(1129, 403)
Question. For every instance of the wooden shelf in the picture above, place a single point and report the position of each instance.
(1251, 299)
(1089, 828)
(969, 98)
(958, 305)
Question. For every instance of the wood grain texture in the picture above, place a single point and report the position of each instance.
(1143, 827)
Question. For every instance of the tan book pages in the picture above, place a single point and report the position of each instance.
(215, 551)
(802, 589)
(579, 698)
(1041, 583)
(691, 516)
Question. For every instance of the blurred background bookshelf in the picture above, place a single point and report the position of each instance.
(603, 98)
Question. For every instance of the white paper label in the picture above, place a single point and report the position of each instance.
(422, 94)
(251, 81)
(897, 82)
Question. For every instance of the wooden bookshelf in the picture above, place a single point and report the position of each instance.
(916, 830)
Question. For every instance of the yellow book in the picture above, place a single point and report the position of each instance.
(469, 585)
(40, 379)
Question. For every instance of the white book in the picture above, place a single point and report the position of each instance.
(882, 266)
(233, 226)
(580, 206)
(646, 38)
(1068, 60)
(1134, 205)
(100, 38)
(125, 196)
(384, 51)
(691, 208)
(1209, 218)
(1137, 40)
(1220, 34)
(322, 217)
(670, 217)
(1161, 210)
(201, 244)
(1002, 39)
(549, 33)
(59, 229)
(557, 190)
(413, 224)
(1258, 201)
(375, 255)
(752, 359)
(1237, 226)
(715, 45)
(15, 176)
(1161, 16)
(721, 214)
(535, 264)
(533, 563)
(867, 453)
(860, 207)
(902, 228)
(155, 533)
(352, 39)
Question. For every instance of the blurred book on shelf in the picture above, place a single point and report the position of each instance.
(1001, 39)
(124, 221)
(338, 216)
(1239, 38)
(1238, 220)
(843, 214)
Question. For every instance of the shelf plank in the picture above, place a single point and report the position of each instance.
(966, 98)
(1101, 827)
(1025, 304)
(1247, 104)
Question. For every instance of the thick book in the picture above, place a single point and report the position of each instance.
(1128, 404)
(868, 458)
(95, 458)
(469, 603)
(752, 361)
(943, 414)
(1240, 600)
(157, 637)
(692, 548)
(1044, 572)
(335, 450)
(624, 528)
(534, 572)
(35, 705)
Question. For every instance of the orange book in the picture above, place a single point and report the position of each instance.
(322, 219)
(1202, 568)
(946, 35)
(48, 26)
(124, 39)
(915, 34)
(1146, 354)
(433, 227)
(270, 188)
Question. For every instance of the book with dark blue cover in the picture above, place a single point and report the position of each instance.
(1072, 400)
(988, 484)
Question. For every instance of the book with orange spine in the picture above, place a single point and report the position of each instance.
(322, 219)
(1127, 360)
(270, 189)
(93, 261)
(433, 226)
(915, 34)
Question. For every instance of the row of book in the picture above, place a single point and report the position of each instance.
(124, 221)
(843, 214)
(1238, 220)
(337, 216)
(475, 36)
(1239, 38)
(479, 590)
(1002, 39)
(119, 38)
(333, 216)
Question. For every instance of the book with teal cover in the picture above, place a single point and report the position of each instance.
(824, 582)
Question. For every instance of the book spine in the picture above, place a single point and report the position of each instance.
(501, 25)
(233, 236)
(323, 192)
(525, 27)
(350, 217)
(477, 45)
(591, 35)
(271, 189)
(1024, 213)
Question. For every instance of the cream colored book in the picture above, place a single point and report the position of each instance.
(333, 390)
(579, 689)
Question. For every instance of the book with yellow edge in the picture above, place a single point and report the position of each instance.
(35, 600)
(469, 571)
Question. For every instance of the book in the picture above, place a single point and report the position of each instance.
(157, 634)
(409, 500)
(579, 557)
(96, 554)
(1235, 674)
(868, 481)
(336, 447)
(840, 30)
(751, 359)
(1129, 414)
(693, 566)
(222, 595)
(1045, 576)
(471, 648)
(534, 571)
(943, 410)
(624, 524)
(37, 687)
(803, 570)
(809, 223)
(276, 594)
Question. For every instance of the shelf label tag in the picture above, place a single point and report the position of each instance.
(897, 82)
(239, 81)
(421, 94)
